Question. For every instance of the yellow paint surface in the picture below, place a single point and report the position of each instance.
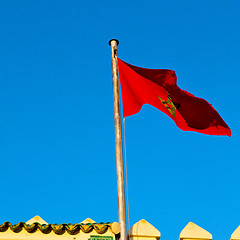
(193, 231)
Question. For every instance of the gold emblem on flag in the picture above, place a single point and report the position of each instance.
(169, 105)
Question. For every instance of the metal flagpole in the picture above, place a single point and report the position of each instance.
(118, 142)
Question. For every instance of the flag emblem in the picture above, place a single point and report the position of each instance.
(169, 105)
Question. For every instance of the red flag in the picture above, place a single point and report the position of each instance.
(158, 87)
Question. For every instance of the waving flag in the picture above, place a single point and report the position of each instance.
(158, 87)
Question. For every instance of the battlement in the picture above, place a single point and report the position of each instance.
(38, 229)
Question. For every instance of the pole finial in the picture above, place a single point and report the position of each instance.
(113, 40)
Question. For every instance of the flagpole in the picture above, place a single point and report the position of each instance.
(118, 141)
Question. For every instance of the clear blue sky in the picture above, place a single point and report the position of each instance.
(57, 147)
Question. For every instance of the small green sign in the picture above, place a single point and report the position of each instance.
(95, 237)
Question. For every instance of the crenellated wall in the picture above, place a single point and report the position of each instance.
(143, 230)
(37, 229)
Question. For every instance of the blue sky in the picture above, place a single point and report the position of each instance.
(57, 147)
